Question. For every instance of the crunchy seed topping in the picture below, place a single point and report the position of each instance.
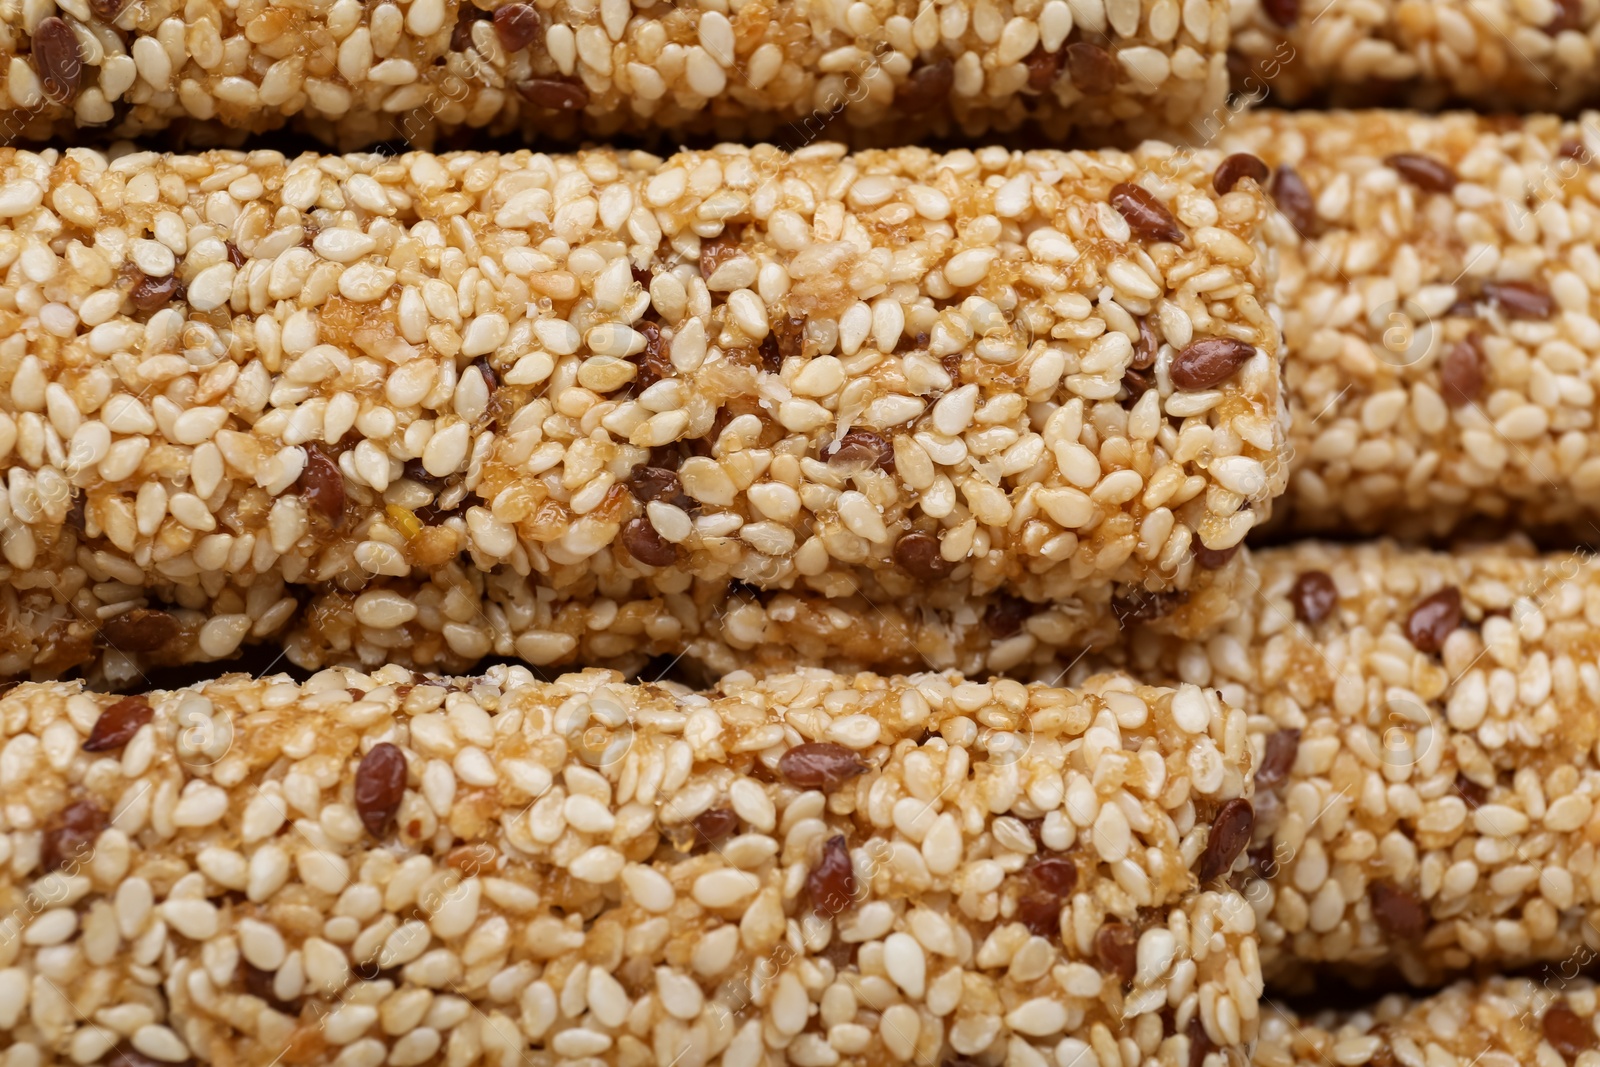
(1314, 597)
(1398, 911)
(380, 787)
(1521, 300)
(1463, 375)
(1323, 53)
(1230, 833)
(1237, 166)
(1289, 192)
(117, 724)
(140, 630)
(927, 88)
(1434, 619)
(1548, 1018)
(355, 77)
(832, 880)
(1567, 1032)
(59, 59)
(1148, 216)
(820, 765)
(1426, 173)
(1208, 363)
(1419, 438)
(517, 26)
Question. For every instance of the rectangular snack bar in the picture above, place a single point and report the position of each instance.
(231, 380)
(1538, 55)
(1425, 730)
(356, 74)
(390, 868)
(1438, 280)
(1498, 1022)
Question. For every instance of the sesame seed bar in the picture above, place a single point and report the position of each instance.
(1521, 55)
(610, 374)
(358, 73)
(1438, 280)
(464, 615)
(1499, 1022)
(389, 868)
(1425, 730)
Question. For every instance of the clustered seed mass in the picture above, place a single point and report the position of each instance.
(351, 74)
(858, 440)
(431, 408)
(392, 868)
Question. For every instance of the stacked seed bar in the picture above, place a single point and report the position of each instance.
(1500, 1022)
(230, 381)
(463, 614)
(1439, 285)
(1425, 732)
(392, 867)
(358, 73)
(1531, 55)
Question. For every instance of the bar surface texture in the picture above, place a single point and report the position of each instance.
(1441, 297)
(354, 74)
(1502, 55)
(1499, 1022)
(230, 380)
(1424, 726)
(392, 868)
